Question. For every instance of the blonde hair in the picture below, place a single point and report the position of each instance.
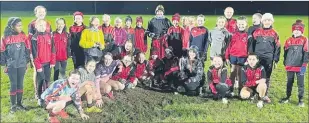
(242, 18)
(221, 17)
(201, 16)
(106, 15)
(39, 7)
(118, 19)
(184, 18)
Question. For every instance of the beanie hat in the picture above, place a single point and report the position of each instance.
(128, 18)
(78, 13)
(176, 16)
(268, 16)
(160, 7)
(139, 19)
(298, 25)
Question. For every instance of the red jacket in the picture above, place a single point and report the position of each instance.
(296, 53)
(108, 33)
(43, 49)
(62, 45)
(140, 39)
(186, 38)
(249, 75)
(141, 68)
(238, 45)
(231, 25)
(127, 73)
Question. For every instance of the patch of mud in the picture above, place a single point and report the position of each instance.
(137, 105)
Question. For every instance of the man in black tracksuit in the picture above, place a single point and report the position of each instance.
(265, 43)
(157, 28)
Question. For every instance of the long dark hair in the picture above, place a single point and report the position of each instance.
(65, 25)
(9, 29)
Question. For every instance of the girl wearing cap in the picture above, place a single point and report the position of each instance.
(266, 44)
(15, 55)
(174, 36)
(92, 40)
(295, 61)
(76, 29)
(140, 37)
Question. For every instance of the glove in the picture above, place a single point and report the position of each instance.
(151, 35)
(302, 70)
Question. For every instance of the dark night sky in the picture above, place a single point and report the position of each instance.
(171, 7)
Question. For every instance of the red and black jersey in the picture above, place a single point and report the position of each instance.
(32, 30)
(127, 73)
(216, 76)
(141, 68)
(62, 45)
(265, 43)
(43, 49)
(174, 39)
(199, 38)
(249, 75)
(108, 33)
(238, 45)
(75, 33)
(130, 34)
(231, 25)
(141, 39)
(15, 50)
(295, 53)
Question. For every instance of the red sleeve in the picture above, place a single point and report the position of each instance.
(2, 44)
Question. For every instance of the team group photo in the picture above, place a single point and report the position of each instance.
(168, 61)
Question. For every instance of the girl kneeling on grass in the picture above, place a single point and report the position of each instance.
(103, 72)
(218, 80)
(253, 77)
(15, 55)
(59, 93)
(126, 74)
(87, 86)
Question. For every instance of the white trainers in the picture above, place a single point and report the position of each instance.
(224, 101)
(260, 104)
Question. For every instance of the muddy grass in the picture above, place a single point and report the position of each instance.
(138, 105)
